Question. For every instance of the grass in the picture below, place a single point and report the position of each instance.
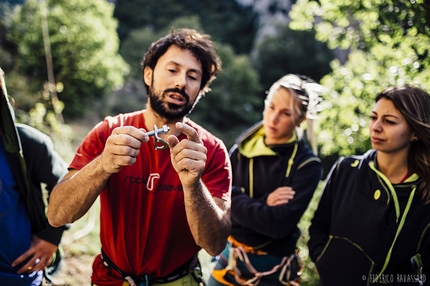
(81, 244)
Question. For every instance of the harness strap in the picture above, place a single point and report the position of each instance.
(239, 252)
(146, 279)
(247, 248)
(287, 270)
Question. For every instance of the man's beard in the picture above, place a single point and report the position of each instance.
(169, 110)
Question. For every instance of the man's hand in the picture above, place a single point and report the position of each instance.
(38, 256)
(188, 156)
(281, 195)
(122, 148)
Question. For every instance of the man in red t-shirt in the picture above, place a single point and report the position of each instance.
(158, 207)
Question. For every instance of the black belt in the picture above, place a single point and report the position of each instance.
(182, 271)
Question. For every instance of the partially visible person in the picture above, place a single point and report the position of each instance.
(162, 199)
(275, 175)
(372, 225)
(28, 244)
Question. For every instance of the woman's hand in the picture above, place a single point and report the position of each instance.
(280, 196)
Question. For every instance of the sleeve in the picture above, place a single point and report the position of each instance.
(53, 170)
(51, 166)
(93, 144)
(320, 225)
(217, 176)
(278, 221)
(44, 166)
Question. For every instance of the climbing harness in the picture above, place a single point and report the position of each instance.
(289, 267)
(190, 267)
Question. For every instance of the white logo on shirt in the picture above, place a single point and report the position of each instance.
(150, 182)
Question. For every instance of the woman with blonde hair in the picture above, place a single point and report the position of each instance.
(274, 177)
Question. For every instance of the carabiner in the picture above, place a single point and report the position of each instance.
(159, 144)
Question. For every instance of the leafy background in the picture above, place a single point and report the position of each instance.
(69, 63)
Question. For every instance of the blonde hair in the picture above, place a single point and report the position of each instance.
(305, 93)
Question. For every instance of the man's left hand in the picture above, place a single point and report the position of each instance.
(188, 156)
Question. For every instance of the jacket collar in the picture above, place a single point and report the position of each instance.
(252, 144)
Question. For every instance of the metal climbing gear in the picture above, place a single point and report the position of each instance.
(159, 144)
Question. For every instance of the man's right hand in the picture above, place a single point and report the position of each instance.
(122, 148)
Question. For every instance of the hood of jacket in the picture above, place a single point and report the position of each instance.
(15, 157)
(7, 125)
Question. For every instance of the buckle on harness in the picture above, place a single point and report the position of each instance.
(188, 267)
(139, 281)
(128, 281)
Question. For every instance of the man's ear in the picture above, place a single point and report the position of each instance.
(147, 76)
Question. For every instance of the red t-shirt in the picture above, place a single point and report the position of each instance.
(143, 225)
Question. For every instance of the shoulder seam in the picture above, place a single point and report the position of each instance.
(312, 159)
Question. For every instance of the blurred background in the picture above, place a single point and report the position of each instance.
(69, 63)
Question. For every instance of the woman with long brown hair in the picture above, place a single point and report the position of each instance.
(372, 224)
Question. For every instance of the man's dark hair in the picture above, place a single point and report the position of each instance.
(200, 45)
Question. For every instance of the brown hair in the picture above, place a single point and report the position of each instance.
(414, 104)
(200, 46)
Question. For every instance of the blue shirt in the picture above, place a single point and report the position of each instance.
(15, 229)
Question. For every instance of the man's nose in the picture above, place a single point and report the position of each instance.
(181, 81)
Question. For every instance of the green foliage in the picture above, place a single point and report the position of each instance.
(84, 48)
(232, 105)
(37, 112)
(19, 88)
(47, 122)
(133, 48)
(192, 22)
(344, 120)
(226, 20)
(309, 275)
(6, 47)
(229, 23)
(148, 14)
(388, 45)
(290, 51)
(365, 23)
(135, 45)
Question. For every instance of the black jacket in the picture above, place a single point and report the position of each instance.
(361, 219)
(33, 162)
(271, 229)
(42, 165)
